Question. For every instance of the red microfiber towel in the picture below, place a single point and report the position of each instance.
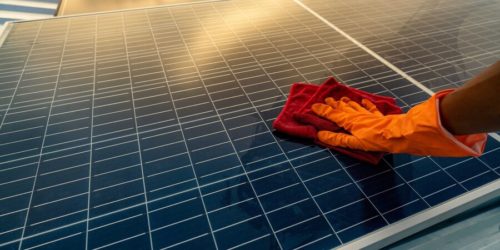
(297, 119)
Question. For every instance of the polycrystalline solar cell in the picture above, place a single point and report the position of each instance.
(442, 46)
(152, 129)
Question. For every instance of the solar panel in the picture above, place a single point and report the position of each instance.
(442, 45)
(152, 129)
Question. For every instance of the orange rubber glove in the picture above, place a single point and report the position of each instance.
(417, 132)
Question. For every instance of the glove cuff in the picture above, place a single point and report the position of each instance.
(472, 144)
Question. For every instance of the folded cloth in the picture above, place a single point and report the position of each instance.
(297, 119)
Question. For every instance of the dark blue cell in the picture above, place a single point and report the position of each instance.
(480, 180)
(467, 169)
(417, 169)
(432, 183)
(445, 194)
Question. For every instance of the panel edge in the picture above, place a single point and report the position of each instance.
(426, 218)
(5, 32)
(124, 10)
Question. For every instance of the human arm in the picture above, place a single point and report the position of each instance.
(444, 125)
(474, 107)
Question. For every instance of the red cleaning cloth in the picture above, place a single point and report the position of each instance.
(297, 119)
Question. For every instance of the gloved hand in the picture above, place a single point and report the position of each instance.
(417, 132)
(296, 119)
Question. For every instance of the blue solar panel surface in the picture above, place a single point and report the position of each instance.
(151, 129)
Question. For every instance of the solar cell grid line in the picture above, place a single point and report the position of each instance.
(359, 69)
(167, 185)
(220, 120)
(146, 31)
(485, 172)
(417, 193)
(116, 179)
(94, 68)
(442, 79)
(440, 86)
(402, 100)
(49, 169)
(159, 147)
(323, 237)
(137, 134)
(436, 48)
(436, 39)
(276, 141)
(38, 161)
(26, 148)
(180, 167)
(289, 62)
(7, 105)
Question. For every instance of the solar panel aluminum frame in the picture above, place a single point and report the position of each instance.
(10, 24)
(5, 32)
(387, 234)
(427, 218)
